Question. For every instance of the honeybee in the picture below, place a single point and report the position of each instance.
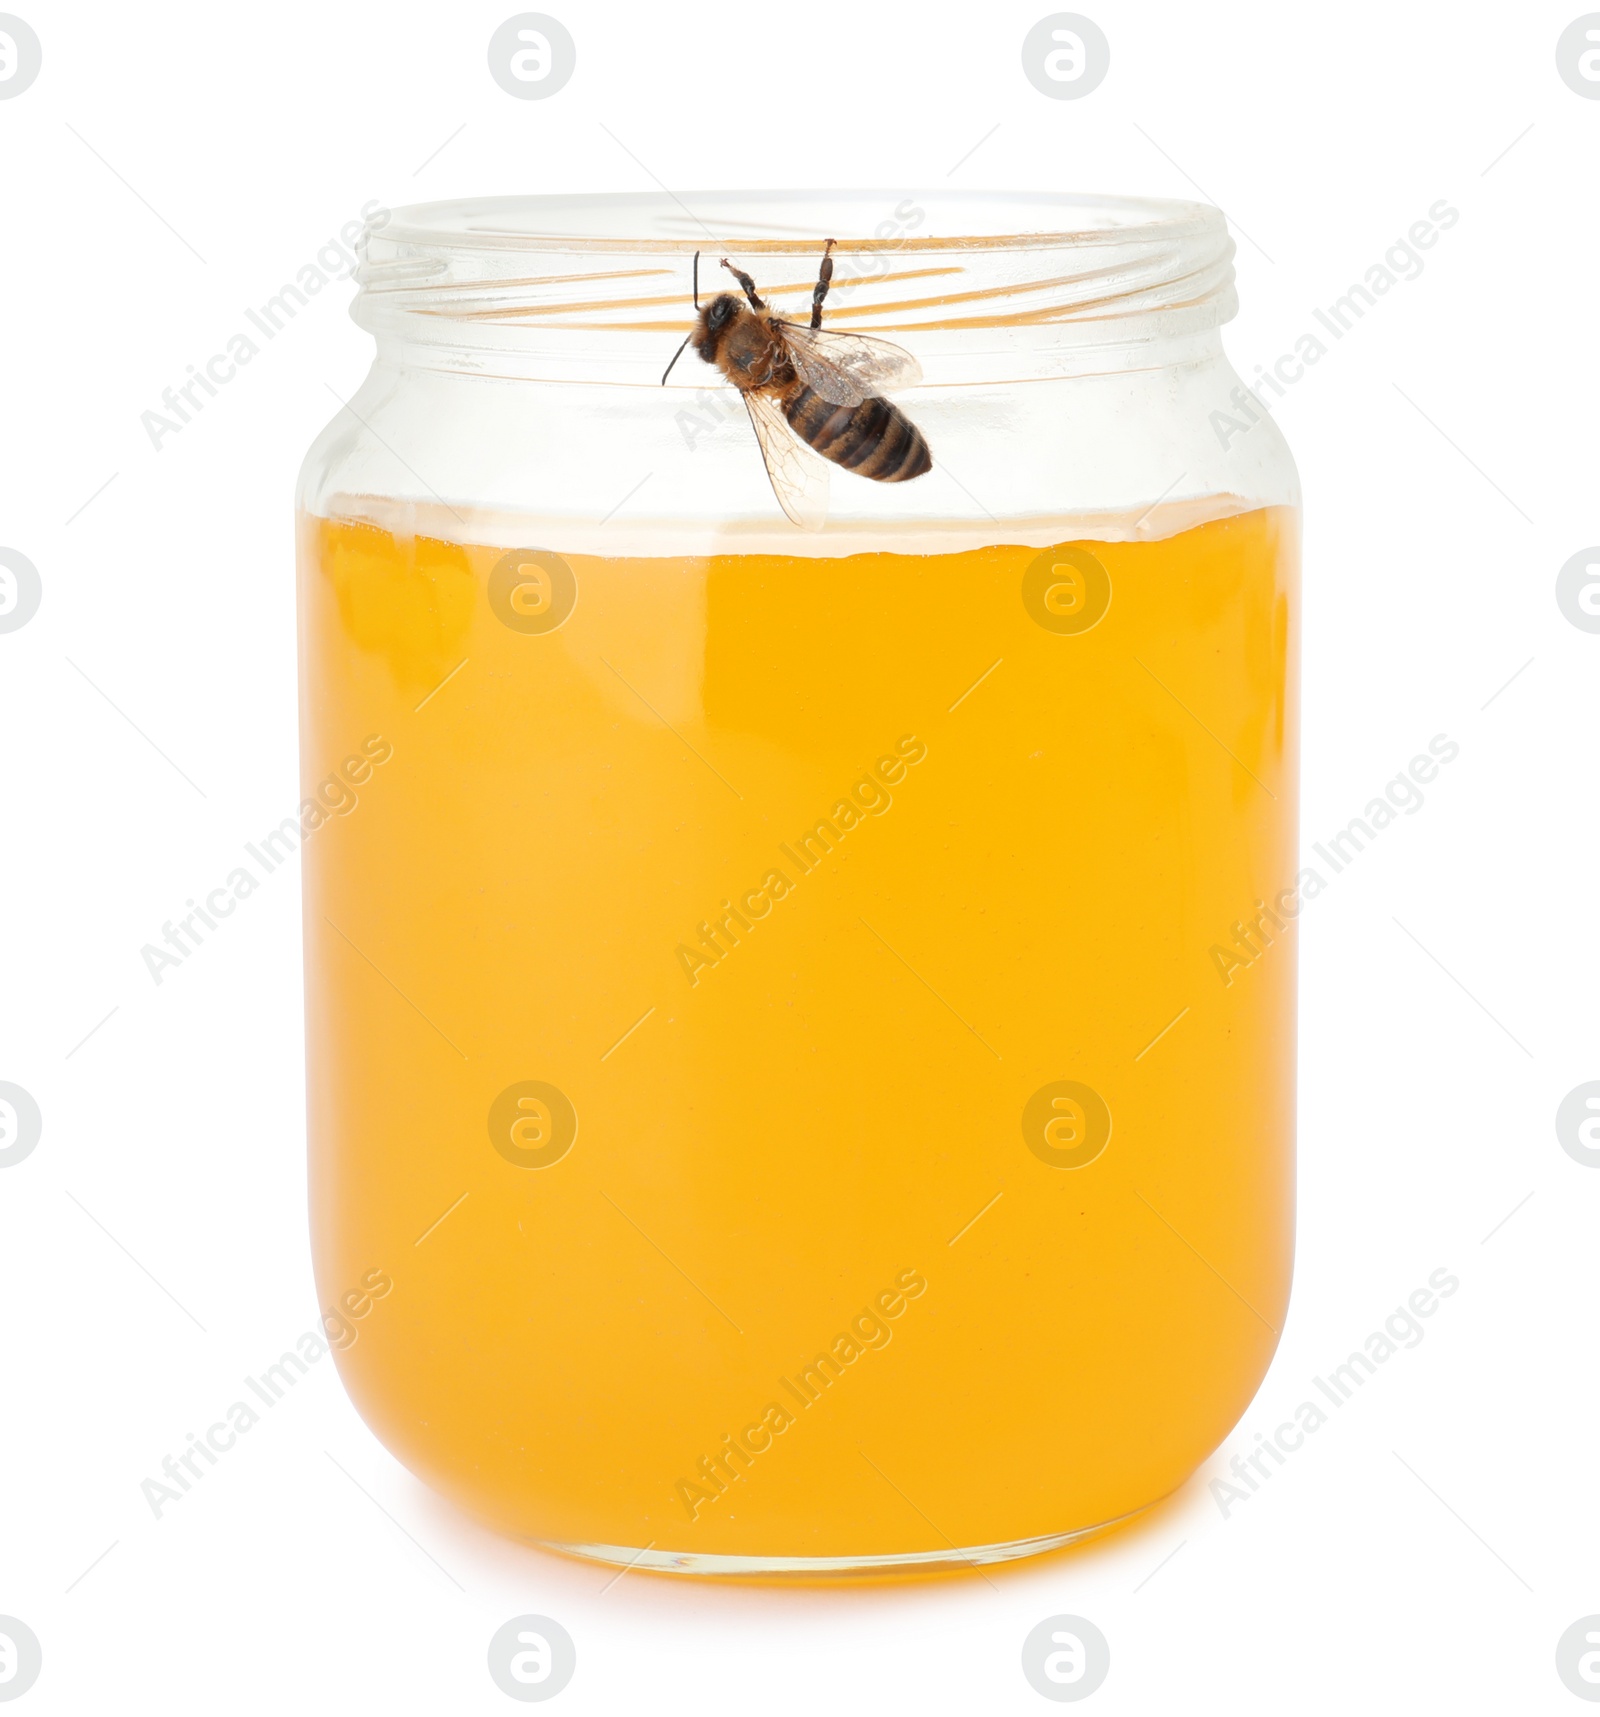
(810, 388)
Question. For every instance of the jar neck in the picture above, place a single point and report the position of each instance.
(983, 290)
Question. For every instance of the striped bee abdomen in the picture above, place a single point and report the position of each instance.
(874, 439)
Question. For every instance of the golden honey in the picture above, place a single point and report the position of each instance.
(762, 1017)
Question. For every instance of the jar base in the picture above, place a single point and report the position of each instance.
(654, 1560)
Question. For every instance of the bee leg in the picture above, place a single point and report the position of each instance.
(746, 282)
(824, 279)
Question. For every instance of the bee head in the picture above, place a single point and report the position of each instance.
(714, 322)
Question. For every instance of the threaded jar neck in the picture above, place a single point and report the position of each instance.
(982, 287)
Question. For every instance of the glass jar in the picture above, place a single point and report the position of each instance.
(800, 1021)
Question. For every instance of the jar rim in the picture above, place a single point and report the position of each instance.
(667, 223)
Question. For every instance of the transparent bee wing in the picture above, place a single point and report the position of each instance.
(846, 368)
(799, 477)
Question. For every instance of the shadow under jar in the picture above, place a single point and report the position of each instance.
(800, 1023)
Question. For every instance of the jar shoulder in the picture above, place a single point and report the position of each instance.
(1106, 446)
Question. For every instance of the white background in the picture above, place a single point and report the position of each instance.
(1425, 1550)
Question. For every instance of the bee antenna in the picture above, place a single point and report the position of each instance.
(675, 356)
(697, 280)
